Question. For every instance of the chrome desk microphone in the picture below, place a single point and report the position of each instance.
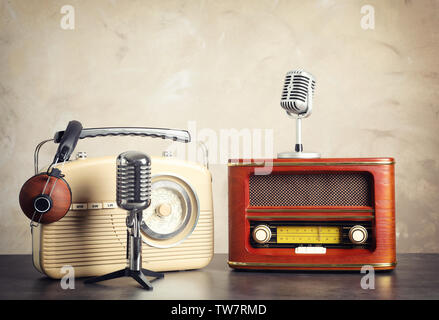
(296, 100)
(133, 184)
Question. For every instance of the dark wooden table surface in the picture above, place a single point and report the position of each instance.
(414, 278)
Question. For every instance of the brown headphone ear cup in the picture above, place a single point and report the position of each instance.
(61, 198)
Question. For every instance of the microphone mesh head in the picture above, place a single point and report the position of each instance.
(295, 91)
(133, 180)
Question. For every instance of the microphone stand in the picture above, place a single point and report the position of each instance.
(134, 256)
(298, 148)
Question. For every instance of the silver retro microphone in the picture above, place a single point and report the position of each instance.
(133, 181)
(133, 193)
(296, 100)
(297, 93)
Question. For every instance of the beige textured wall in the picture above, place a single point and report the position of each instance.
(221, 64)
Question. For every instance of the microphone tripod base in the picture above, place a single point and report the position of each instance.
(139, 276)
(298, 155)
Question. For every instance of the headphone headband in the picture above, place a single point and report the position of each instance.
(68, 141)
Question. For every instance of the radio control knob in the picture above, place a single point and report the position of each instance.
(358, 234)
(164, 210)
(261, 234)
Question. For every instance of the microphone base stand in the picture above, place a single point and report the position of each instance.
(139, 276)
(298, 154)
(134, 257)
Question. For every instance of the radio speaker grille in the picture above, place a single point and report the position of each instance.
(319, 189)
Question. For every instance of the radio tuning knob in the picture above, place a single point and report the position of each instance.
(358, 234)
(163, 210)
(261, 234)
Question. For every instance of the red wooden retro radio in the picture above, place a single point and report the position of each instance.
(303, 212)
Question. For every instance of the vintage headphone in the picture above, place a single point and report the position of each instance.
(46, 197)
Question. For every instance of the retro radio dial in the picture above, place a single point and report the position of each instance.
(173, 213)
(358, 234)
(261, 234)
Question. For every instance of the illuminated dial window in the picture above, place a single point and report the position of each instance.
(309, 234)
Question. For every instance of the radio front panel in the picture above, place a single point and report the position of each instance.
(327, 234)
(312, 214)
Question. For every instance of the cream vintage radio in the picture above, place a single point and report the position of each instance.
(76, 220)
